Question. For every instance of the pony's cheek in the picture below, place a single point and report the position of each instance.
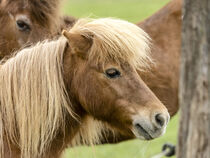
(99, 108)
(87, 91)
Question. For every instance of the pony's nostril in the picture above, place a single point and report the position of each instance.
(160, 120)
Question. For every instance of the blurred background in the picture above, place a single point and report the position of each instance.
(130, 10)
(133, 11)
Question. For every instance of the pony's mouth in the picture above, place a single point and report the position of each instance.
(146, 130)
(150, 128)
(143, 132)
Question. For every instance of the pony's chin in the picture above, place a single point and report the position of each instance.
(142, 134)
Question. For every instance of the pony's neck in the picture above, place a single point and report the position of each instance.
(64, 138)
(72, 127)
(72, 124)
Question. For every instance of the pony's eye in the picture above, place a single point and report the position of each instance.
(112, 73)
(22, 26)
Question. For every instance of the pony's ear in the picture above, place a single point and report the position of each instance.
(78, 43)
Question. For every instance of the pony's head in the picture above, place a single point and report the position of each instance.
(26, 21)
(100, 66)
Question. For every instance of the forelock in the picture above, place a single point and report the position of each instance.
(116, 40)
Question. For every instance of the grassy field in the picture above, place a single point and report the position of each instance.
(133, 11)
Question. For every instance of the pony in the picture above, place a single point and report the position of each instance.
(24, 22)
(67, 91)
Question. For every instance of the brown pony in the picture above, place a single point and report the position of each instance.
(67, 91)
(23, 22)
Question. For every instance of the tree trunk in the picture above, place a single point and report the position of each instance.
(194, 131)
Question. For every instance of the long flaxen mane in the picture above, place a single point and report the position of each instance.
(33, 98)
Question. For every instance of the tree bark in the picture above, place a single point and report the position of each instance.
(194, 130)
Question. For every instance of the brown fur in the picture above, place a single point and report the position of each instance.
(68, 91)
(164, 27)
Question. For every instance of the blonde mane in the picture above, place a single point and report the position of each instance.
(33, 98)
(117, 40)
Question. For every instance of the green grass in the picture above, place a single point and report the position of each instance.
(133, 11)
